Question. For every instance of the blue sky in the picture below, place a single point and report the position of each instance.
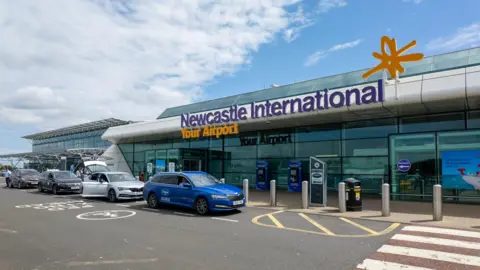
(86, 65)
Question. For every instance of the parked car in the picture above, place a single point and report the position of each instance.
(195, 190)
(86, 168)
(23, 178)
(113, 185)
(59, 181)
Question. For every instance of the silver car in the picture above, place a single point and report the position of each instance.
(113, 185)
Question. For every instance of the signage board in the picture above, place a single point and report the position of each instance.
(461, 169)
(404, 165)
(160, 165)
(171, 167)
(149, 168)
(316, 101)
(318, 182)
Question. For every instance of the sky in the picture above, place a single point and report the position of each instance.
(66, 62)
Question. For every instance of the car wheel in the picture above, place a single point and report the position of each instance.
(111, 195)
(19, 185)
(152, 201)
(40, 187)
(201, 205)
(54, 190)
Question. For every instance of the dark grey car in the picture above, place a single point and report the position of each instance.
(60, 181)
(23, 178)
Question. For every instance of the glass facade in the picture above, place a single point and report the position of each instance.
(367, 150)
(91, 139)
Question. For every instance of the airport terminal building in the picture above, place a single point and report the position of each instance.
(377, 130)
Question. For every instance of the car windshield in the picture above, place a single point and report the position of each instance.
(29, 172)
(202, 180)
(64, 175)
(97, 168)
(120, 177)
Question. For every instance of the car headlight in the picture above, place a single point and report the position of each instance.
(219, 197)
(123, 188)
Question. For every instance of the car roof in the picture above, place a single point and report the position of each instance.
(187, 173)
(113, 172)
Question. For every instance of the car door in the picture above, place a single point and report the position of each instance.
(102, 187)
(14, 178)
(50, 181)
(90, 185)
(184, 195)
(165, 187)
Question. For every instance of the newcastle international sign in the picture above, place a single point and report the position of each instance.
(319, 100)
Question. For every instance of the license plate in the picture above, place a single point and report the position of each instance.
(238, 202)
(74, 187)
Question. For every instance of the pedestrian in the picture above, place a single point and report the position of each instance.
(7, 174)
(141, 177)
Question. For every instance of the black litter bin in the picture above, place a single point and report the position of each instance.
(353, 190)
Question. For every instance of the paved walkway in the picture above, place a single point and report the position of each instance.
(454, 215)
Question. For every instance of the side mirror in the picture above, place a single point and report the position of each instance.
(186, 185)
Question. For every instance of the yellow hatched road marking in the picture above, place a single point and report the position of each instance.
(314, 223)
(275, 221)
(359, 226)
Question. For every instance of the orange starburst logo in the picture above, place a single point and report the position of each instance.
(393, 62)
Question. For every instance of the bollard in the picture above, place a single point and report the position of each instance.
(245, 190)
(342, 202)
(437, 203)
(273, 193)
(304, 194)
(222, 180)
(386, 200)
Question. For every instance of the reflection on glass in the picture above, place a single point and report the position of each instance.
(370, 129)
(366, 147)
(365, 165)
(325, 148)
(432, 123)
(419, 150)
(473, 120)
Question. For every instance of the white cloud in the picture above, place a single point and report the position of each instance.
(464, 37)
(300, 19)
(318, 55)
(413, 1)
(67, 62)
(326, 5)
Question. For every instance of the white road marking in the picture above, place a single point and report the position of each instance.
(184, 214)
(442, 231)
(106, 215)
(369, 264)
(7, 231)
(437, 241)
(112, 262)
(431, 254)
(123, 205)
(225, 219)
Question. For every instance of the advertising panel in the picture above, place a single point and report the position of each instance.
(461, 169)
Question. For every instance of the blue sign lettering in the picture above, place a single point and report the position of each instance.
(320, 100)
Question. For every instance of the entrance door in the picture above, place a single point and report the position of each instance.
(418, 151)
(192, 165)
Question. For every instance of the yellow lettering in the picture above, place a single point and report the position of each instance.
(205, 131)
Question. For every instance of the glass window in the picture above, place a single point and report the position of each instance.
(237, 178)
(309, 149)
(163, 145)
(139, 156)
(215, 166)
(168, 179)
(275, 151)
(370, 183)
(318, 133)
(370, 129)
(161, 154)
(214, 153)
(181, 143)
(236, 141)
(366, 147)
(126, 148)
(279, 166)
(215, 143)
(240, 152)
(240, 165)
(473, 119)
(432, 123)
(199, 143)
(365, 165)
(334, 165)
(143, 146)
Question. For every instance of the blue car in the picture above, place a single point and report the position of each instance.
(196, 190)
